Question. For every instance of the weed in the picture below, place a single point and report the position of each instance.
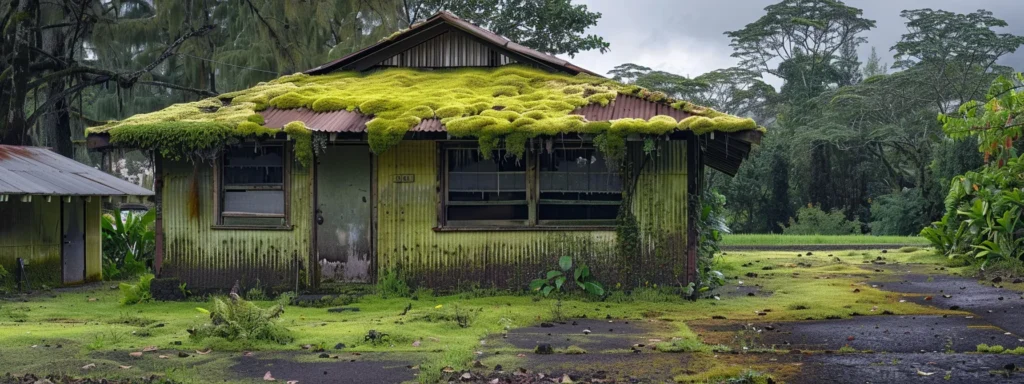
(557, 313)
(257, 293)
(452, 313)
(136, 293)
(422, 294)
(390, 285)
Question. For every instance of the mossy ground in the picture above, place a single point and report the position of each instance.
(91, 327)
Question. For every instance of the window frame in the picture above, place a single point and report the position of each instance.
(219, 189)
(533, 200)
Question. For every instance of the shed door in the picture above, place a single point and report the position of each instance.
(73, 235)
(344, 233)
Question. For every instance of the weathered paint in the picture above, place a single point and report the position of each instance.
(209, 258)
(407, 214)
(93, 239)
(343, 213)
(73, 235)
(447, 50)
(31, 231)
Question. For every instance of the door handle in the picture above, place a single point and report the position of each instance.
(319, 217)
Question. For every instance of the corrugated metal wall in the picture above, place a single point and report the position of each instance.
(208, 258)
(449, 49)
(32, 231)
(93, 239)
(407, 214)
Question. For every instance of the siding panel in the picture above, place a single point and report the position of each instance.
(407, 242)
(207, 258)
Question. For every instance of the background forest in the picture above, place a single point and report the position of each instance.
(854, 145)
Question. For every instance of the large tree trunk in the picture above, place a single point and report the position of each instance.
(55, 123)
(15, 130)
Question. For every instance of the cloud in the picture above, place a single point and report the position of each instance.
(687, 36)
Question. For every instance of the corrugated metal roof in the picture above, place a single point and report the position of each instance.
(624, 106)
(39, 171)
(465, 26)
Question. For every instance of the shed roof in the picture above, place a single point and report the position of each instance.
(39, 171)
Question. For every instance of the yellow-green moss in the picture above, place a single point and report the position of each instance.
(303, 141)
(507, 105)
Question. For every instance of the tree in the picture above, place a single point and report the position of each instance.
(801, 41)
(959, 51)
(874, 66)
(675, 86)
(551, 26)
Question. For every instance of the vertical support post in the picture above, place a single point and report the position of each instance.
(694, 176)
(158, 187)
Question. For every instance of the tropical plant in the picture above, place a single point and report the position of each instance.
(239, 319)
(138, 292)
(128, 243)
(984, 207)
(710, 226)
(555, 279)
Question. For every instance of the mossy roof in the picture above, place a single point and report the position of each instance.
(506, 105)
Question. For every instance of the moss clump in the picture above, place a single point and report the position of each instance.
(303, 141)
(507, 105)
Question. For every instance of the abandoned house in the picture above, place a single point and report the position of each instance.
(50, 212)
(445, 154)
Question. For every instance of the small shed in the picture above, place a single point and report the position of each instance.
(50, 212)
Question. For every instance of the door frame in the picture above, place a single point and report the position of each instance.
(63, 262)
(314, 250)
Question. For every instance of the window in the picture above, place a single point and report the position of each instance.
(485, 191)
(569, 185)
(576, 186)
(253, 190)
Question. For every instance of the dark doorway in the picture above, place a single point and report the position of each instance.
(344, 210)
(73, 240)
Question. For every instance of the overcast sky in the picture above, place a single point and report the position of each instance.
(686, 36)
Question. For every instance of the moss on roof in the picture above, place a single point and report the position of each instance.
(509, 105)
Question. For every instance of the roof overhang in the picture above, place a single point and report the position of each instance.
(37, 171)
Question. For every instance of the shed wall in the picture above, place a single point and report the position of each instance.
(32, 231)
(206, 258)
(407, 214)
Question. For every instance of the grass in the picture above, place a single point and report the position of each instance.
(92, 327)
(755, 239)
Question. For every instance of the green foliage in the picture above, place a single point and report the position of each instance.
(503, 106)
(811, 220)
(555, 279)
(683, 345)
(901, 213)
(984, 207)
(237, 319)
(391, 285)
(6, 281)
(128, 243)
(710, 225)
(138, 292)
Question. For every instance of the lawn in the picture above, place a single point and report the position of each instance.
(758, 239)
(64, 331)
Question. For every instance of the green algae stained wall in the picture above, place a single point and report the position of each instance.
(32, 231)
(207, 258)
(407, 214)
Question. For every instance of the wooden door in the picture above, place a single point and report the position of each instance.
(344, 207)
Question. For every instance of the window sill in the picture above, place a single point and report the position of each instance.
(540, 228)
(253, 227)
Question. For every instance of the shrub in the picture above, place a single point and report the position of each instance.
(901, 213)
(811, 220)
(237, 319)
(390, 285)
(138, 292)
